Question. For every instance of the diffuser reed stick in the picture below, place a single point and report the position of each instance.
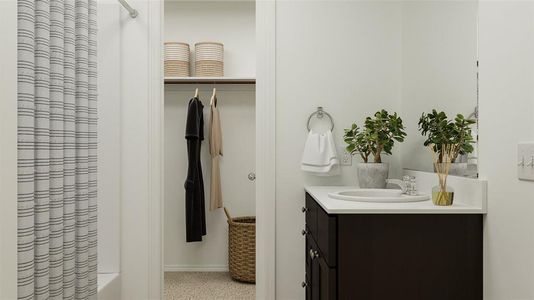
(442, 162)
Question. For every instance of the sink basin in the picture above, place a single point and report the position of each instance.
(377, 195)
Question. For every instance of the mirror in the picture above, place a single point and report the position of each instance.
(408, 57)
(439, 71)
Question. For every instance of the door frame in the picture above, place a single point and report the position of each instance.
(8, 150)
(265, 149)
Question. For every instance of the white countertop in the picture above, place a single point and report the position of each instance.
(334, 206)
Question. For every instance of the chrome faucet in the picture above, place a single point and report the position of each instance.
(401, 183)
(407, 184)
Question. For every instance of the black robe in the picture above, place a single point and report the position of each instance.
(195, 212)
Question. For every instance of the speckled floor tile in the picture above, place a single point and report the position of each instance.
(206, 286)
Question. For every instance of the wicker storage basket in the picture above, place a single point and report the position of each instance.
(242, 248)
(209, 59)
(176, 59)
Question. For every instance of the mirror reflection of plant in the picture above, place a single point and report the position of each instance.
(441, 131)
(378, 135)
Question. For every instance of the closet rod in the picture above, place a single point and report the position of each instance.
(133, 12)
(208, 80)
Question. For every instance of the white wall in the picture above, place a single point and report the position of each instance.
(506, 118)
(109, 131)
(8, 150)
(233, 24)
(141, 155)
(229, 22)
(237, 107)
(340, 55)
(439, 71)
(135, 156)
(507, 65)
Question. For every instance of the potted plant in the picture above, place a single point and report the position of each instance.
(446, 139)
(377, 136)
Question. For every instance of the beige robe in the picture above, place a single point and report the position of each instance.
(215, 140)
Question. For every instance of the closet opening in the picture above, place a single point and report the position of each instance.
(210, 71)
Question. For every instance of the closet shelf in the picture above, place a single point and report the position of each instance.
(210, 80)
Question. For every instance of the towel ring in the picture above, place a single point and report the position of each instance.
(320, 113)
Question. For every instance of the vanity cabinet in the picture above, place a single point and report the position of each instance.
(392, 256)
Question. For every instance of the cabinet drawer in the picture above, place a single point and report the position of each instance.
(311, 216)
(327, 236)
(323, 228)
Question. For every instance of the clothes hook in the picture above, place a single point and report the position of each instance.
(213, 95)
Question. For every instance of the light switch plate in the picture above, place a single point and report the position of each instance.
(525, 161)
(345, 157)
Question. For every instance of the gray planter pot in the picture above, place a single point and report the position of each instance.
(373, 175)
(457, 169)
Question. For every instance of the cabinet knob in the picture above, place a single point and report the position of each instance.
(304, 284)
(304, 232)
(304, 209)
(313, 254)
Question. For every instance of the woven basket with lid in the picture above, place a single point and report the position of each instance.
(177, 59)
(209, 59)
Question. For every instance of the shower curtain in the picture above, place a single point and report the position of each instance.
(57, 149)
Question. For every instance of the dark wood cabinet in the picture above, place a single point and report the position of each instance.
(392, 256)
(320, 277)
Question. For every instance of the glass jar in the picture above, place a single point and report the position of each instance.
(442, 197)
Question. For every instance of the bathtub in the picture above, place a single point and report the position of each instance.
(109, 286)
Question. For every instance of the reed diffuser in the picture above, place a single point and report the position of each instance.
(446, 139)
(442, 194)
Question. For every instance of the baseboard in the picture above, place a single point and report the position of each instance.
(195, 268)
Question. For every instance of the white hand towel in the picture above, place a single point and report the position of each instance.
(320, 157)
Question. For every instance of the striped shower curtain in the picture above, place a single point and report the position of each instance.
(57, 149)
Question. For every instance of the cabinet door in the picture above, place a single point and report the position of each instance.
(416, 257)
(315, 279)
(308, 283)
(327, 280)
(322, 284)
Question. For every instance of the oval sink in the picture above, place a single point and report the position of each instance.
(377, 195)
(371, 193)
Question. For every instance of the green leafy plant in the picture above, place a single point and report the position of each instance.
(442, 133)
(357, 142)
(378, 135)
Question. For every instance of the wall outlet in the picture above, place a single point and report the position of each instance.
(345, 157)
(525, 161)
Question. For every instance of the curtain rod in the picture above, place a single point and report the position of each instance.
(133, 12)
